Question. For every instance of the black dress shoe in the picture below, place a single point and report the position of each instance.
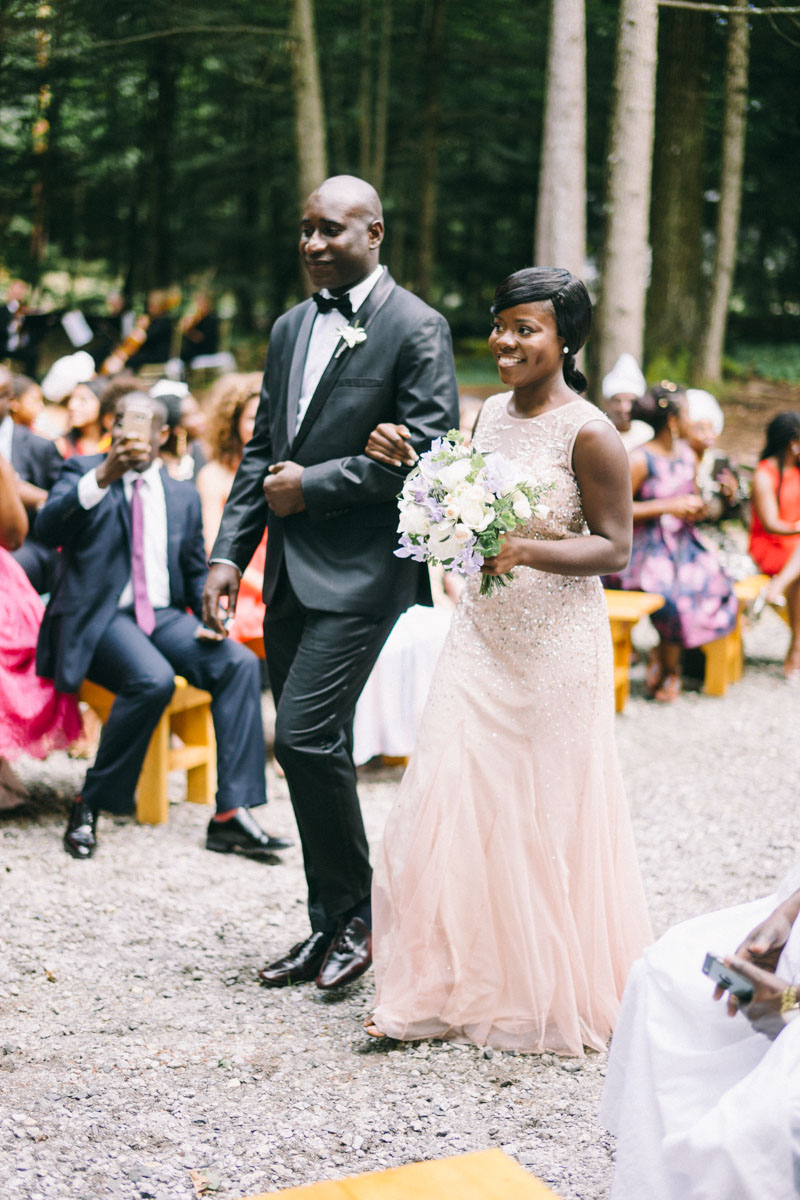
(300, 965)
(349, 956)
(79, 838)
(243, 835)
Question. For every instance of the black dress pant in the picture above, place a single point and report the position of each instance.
(141, 670)
(318, 665)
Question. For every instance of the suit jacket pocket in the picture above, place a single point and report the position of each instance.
(361, 382)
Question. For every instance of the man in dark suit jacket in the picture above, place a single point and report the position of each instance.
(37, 463)
(332, 585)
(132, 563)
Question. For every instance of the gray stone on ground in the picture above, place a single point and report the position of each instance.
(140, 1058)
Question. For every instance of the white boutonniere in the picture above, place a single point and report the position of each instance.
(351, 335)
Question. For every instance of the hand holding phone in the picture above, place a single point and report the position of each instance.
(728, 979)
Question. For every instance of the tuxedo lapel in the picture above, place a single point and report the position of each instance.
(123, 508)
(296, 370)
(341, 355)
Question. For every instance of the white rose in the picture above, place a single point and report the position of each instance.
(451, 475)
(522, 506)
(475, 514)
(462, 534)
(414, 519)
(540, 511)
(451, 508)
(442, 543)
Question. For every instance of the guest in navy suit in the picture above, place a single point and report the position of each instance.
(132, 564)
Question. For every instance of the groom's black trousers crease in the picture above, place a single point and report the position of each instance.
(318, 665)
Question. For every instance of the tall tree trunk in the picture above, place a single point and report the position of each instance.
(41, 138)
(709, 364)
(432, 65)
(626, 256)
(158, 260)
(561, 210)
(312, 159)
(382, 98)
(365, 90)
(675, 299)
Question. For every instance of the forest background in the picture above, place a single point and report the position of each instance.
(167, 143)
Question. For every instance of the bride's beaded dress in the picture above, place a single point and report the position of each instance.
(507, 900)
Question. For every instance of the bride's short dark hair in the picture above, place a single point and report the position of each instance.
(570, 302)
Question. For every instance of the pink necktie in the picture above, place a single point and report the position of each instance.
(145, 617)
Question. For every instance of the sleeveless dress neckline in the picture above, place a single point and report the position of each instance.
(547, 412)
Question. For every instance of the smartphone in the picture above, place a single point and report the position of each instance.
(728, 979)
(204, 634)
(136, 423)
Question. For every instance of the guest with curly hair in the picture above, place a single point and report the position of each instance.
(233, 405)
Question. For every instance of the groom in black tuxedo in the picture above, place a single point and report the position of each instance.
(362, 351)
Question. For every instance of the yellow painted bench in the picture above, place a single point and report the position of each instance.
(626, 609)
(725, 657)
(188, 716)
(487, 1175)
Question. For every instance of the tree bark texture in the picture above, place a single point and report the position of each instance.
(365, 90)
(709, 365)
(382, 98)
(429, 157)
(560, 239)
(312, 159)
(157, 264)
(626, 254)
(676, 298)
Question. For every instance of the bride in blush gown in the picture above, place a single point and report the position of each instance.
(507, 900)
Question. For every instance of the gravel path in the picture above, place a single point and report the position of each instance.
(139, 1058)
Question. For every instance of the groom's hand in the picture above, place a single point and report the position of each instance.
(283, 489)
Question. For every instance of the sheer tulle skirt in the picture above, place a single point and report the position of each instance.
(507, 901)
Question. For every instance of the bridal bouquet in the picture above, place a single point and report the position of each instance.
(456, 504)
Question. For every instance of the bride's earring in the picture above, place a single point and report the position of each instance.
(565, 350)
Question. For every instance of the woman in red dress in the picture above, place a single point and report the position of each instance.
(775, 524)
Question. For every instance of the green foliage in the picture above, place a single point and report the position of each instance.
(171, 157)
(779, 361)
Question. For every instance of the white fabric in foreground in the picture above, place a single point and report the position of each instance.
(703, 1107)
(389, 711)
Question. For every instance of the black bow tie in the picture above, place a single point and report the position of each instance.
(325, 304)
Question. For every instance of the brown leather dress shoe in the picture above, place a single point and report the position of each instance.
(300, 965)
(79, 838)
(349, 956)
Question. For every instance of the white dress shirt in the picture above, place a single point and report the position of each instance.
(6, 434)
(325, 338)
(154, 518)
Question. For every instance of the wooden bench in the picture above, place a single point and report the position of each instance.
(188, 716)
(725, 657)
(625, 609)
(487, 1175)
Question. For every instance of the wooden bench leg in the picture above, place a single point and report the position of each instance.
(152, 803)
(195, 728)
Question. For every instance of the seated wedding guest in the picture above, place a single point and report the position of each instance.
(622, 387)
(704, 1098)
(26, 402)
(668, 556)
(37, 463)
(123, 517)
(701, 421)
(775, 516)
(234, 400)
(182, 453)
(34, 718)
(88, 424)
